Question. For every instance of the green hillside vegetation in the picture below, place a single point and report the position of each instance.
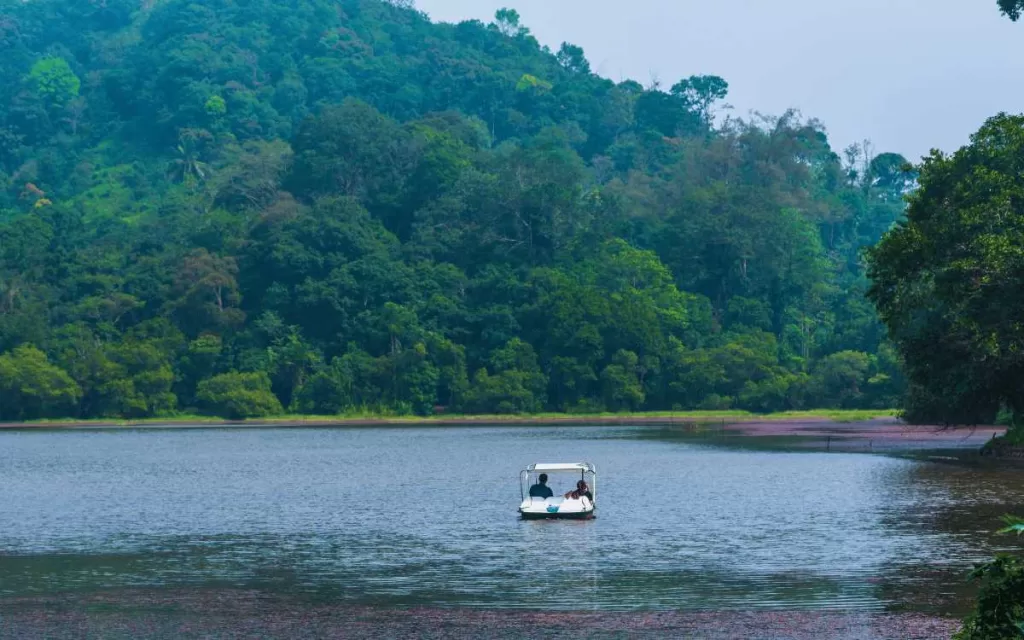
(248, 208)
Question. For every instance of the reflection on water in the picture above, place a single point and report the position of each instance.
(427, 516)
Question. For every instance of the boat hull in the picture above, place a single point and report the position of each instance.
(579, 515)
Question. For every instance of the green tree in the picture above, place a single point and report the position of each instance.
(506, 21)
(138, 380)
(517, 385)
(415, 378)
(621, 381)
(891, 175)
(52, 78)
(237, 396)
(351, 150)
(572, 58)
(199, 362)
(838, 380)
(290, 361)
(209, 293)
(326, 393)
(667, 114)
(700, 93)
(252, 173)
(216, 106)
(187, 166)
(946, 281)
(32, 388)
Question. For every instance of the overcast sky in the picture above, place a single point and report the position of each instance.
(909, 75)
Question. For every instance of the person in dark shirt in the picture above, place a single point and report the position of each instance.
(541, 489)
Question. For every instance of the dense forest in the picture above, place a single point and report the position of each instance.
(246, 208)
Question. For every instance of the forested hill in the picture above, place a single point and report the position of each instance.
(249, 207)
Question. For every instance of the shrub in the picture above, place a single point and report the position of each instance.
(999, 612)
(238, 395)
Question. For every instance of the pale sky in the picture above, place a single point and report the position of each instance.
(909, 75)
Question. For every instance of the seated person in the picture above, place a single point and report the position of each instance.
(581, 490)
(541, 489)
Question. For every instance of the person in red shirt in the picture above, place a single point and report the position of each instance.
(581, 490)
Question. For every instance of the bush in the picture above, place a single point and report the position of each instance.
(326, 393)
(506, 393)
(517, 386)
(32, 388)
(999, 612)
(238, 395)
(715, 402)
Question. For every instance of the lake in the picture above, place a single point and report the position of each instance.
(426, 517)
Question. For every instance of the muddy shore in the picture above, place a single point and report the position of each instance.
(234, 614)
(884, 434)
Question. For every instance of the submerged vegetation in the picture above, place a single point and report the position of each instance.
(329, 206)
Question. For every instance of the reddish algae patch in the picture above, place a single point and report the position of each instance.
(244, 614)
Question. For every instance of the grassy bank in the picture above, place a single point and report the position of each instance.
(370, 419)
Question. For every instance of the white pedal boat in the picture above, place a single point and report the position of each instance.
(558, 507)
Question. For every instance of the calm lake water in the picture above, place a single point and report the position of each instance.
(427, 516)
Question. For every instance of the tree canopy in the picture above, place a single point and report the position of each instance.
(1011, 8)
(947, 280)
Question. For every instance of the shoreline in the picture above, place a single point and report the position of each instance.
(725, 418)
(238, 613)
(839, 431)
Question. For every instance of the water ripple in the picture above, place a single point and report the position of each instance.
(427, 516)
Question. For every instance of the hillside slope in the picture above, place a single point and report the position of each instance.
(247, 207)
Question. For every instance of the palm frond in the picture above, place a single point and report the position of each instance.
(1013, 524)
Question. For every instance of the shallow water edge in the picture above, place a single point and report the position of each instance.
(247, 614)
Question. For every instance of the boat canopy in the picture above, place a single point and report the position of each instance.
(563, 466)
(581, 468)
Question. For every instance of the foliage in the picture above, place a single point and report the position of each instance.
(1013, 525)
(33, 388)
(999, 612)
(53, 79)
(700, 93)
(216, 106)
(238, 395)
(516, 386)
(341, 207)
(573, 59)
(1011, 8)
(946, 281)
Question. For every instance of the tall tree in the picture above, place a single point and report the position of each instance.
(701, 93)
(947, 281)
(573, 59)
